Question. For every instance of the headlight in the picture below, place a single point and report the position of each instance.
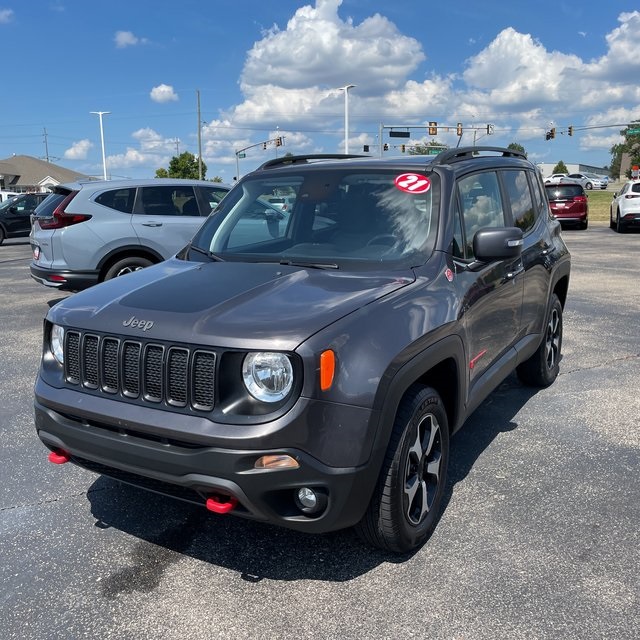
(268, 376)
(57, 343)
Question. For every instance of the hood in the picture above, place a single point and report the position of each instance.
(226, 304)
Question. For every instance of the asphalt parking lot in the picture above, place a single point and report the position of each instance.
(540, 536)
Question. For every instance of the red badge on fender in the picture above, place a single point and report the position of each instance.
(413, 183)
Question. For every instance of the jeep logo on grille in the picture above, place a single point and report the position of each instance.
(135, 323)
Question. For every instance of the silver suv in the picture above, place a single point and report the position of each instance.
(87, 232)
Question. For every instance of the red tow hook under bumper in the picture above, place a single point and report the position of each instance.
(221, 504)
(59, 456)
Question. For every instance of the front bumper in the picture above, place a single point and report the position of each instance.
(196, 472)
(63, 279)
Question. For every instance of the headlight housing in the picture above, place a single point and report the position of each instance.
(267, 375)
(57, 342)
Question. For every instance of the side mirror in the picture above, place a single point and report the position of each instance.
(497, 244)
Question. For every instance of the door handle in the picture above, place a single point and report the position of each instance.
(152, 224)
(510, 275)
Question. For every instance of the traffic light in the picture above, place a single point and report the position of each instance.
(385, 147)
(433, 128)
(402, 147)
(264, 145)
(570, 131)
(489, 129)
(365, 148)
(459, 129)
(552, 133)
(278, 142)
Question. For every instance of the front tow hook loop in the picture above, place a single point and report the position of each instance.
(59, 457)
(216, 504)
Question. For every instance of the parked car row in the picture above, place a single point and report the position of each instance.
(15, 214)
(587, 180)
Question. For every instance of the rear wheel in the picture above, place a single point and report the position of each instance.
(1, 235)
(406, 503)
(542, 368)
(620, 228)
(126, 265)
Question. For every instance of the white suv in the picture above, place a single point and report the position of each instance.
(87, 232)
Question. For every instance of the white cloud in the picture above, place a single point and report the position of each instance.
(78, 150)
(128, 39)
(163, 93)
(6, 16)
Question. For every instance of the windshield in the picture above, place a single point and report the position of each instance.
(333, 218)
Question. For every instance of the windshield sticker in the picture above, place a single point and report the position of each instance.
(413, 183)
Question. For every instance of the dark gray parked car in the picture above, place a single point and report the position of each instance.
(307, 368)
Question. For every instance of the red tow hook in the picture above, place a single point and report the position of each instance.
(216, 504)
(59, 456)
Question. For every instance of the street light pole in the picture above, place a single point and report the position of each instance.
(346, 115)
(104, 159)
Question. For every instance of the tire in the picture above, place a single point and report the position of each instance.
(588, 186)
(1, 235)
(620, 228)
(406, 502)
(612, 224)
(126, 265)
(542, 368)
(584, 225)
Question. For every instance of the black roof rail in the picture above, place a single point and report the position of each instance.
(465, 153)
(287, 160)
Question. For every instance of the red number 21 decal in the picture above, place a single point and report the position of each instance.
(413, 183)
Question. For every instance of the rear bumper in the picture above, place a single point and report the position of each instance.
(63, 279)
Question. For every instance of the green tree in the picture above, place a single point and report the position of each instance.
(183, 166)
(216, 179)
(514, 146)
(631, 145)
(561, 167)
(422, 149)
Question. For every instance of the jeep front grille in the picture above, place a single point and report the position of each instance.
(148, 371)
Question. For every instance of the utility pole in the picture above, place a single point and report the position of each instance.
(46, 145)
(199, 138)
(104, 160)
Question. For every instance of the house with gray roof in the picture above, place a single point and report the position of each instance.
(22, 174)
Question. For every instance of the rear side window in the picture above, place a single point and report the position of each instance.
(118, 199)
(519, 195)
(167, 200)
(212, 196)
(46, 208)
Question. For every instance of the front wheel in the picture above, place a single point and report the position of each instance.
(542, 368)
(126, 265)
(406, 503)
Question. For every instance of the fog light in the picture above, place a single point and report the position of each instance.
(310, 501)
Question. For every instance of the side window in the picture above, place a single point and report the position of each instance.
(212, 197)
(481, 204)
(457, 245)
(519, 194)
(118, 199)
(159, 201)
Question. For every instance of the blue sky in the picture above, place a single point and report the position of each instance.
(265, 70)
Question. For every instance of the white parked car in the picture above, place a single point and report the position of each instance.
(585, 180)
(555, 178)
(625, 207)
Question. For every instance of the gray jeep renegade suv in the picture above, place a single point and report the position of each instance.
(308, 367)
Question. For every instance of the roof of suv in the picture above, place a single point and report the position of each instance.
(447, 157)
(133, 182)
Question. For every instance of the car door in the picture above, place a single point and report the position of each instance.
(18, 213)
(491, 293)
(166, 217)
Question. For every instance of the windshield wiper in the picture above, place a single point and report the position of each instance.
(310, 265)
(209, 254)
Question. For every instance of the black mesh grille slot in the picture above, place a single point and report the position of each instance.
(177, 377)
(90, 361)
(110, 369)
(204, 364)
(72, 357)
(153, 356)
(131, 369)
